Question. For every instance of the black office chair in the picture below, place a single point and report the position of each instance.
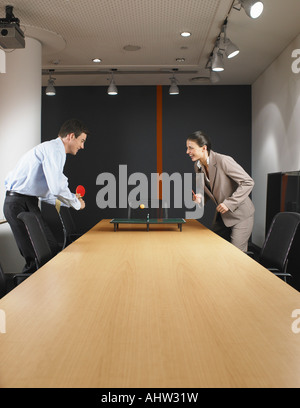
(275, 251)
(69, 228)
(3, 289)
(39, 242)
(155, 207)
(6, 282)
(61, 218)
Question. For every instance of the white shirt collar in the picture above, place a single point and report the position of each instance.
(199, 164)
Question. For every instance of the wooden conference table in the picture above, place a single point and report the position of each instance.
(150, 309)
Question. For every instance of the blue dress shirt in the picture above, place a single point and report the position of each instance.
(39, 173)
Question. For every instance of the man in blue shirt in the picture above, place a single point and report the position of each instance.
(39, 175)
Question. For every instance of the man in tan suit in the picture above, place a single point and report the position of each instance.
(229, 186)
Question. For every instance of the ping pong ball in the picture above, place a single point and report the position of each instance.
(142, 206)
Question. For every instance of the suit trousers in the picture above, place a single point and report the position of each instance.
(13, 205)
(239, 234)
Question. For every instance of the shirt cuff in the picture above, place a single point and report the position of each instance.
(76, 204)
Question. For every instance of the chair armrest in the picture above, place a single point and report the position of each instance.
(278, 273)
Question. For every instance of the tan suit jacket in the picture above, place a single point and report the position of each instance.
(231, 185)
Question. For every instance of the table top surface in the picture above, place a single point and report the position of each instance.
(152, 310)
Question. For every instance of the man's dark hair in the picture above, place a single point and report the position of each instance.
(201, 139)
(72, 126)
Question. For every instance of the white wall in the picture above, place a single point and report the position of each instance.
(275, 128)
(20, 128)
(20, 107)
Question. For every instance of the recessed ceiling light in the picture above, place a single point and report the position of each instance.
(185, 34)
(180, 59)
(97, 60)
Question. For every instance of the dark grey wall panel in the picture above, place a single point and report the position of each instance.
(123, 131)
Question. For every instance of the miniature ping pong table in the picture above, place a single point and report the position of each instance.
(147, 222)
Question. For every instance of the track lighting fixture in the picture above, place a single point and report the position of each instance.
(223, 45)
(217, 64)
(230, 49)
(50, 90)
(252, 8)
(214, 77)
(112, 89)
(173, 90)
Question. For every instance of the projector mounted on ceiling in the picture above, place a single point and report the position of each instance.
(11, 35)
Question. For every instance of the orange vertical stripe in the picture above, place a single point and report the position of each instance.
(159, 159)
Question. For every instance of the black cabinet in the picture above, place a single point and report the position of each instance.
(283, 194)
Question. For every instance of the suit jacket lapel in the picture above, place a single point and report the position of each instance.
(207, 191)
(212, 168)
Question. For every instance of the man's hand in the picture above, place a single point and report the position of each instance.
(222, 208)
(82, 203)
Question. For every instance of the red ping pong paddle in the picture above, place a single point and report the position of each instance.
(80, 190)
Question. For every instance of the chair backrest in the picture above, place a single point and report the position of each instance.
(2, 283)
(60, 219)
(276, 248)
(155, 207)
(68, 225)
(37, 237)
(67, 220)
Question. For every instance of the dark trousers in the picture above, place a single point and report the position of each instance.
(13, 205)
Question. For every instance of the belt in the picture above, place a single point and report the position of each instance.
(14, 193)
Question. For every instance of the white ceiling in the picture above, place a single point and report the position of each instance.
(73, 32)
